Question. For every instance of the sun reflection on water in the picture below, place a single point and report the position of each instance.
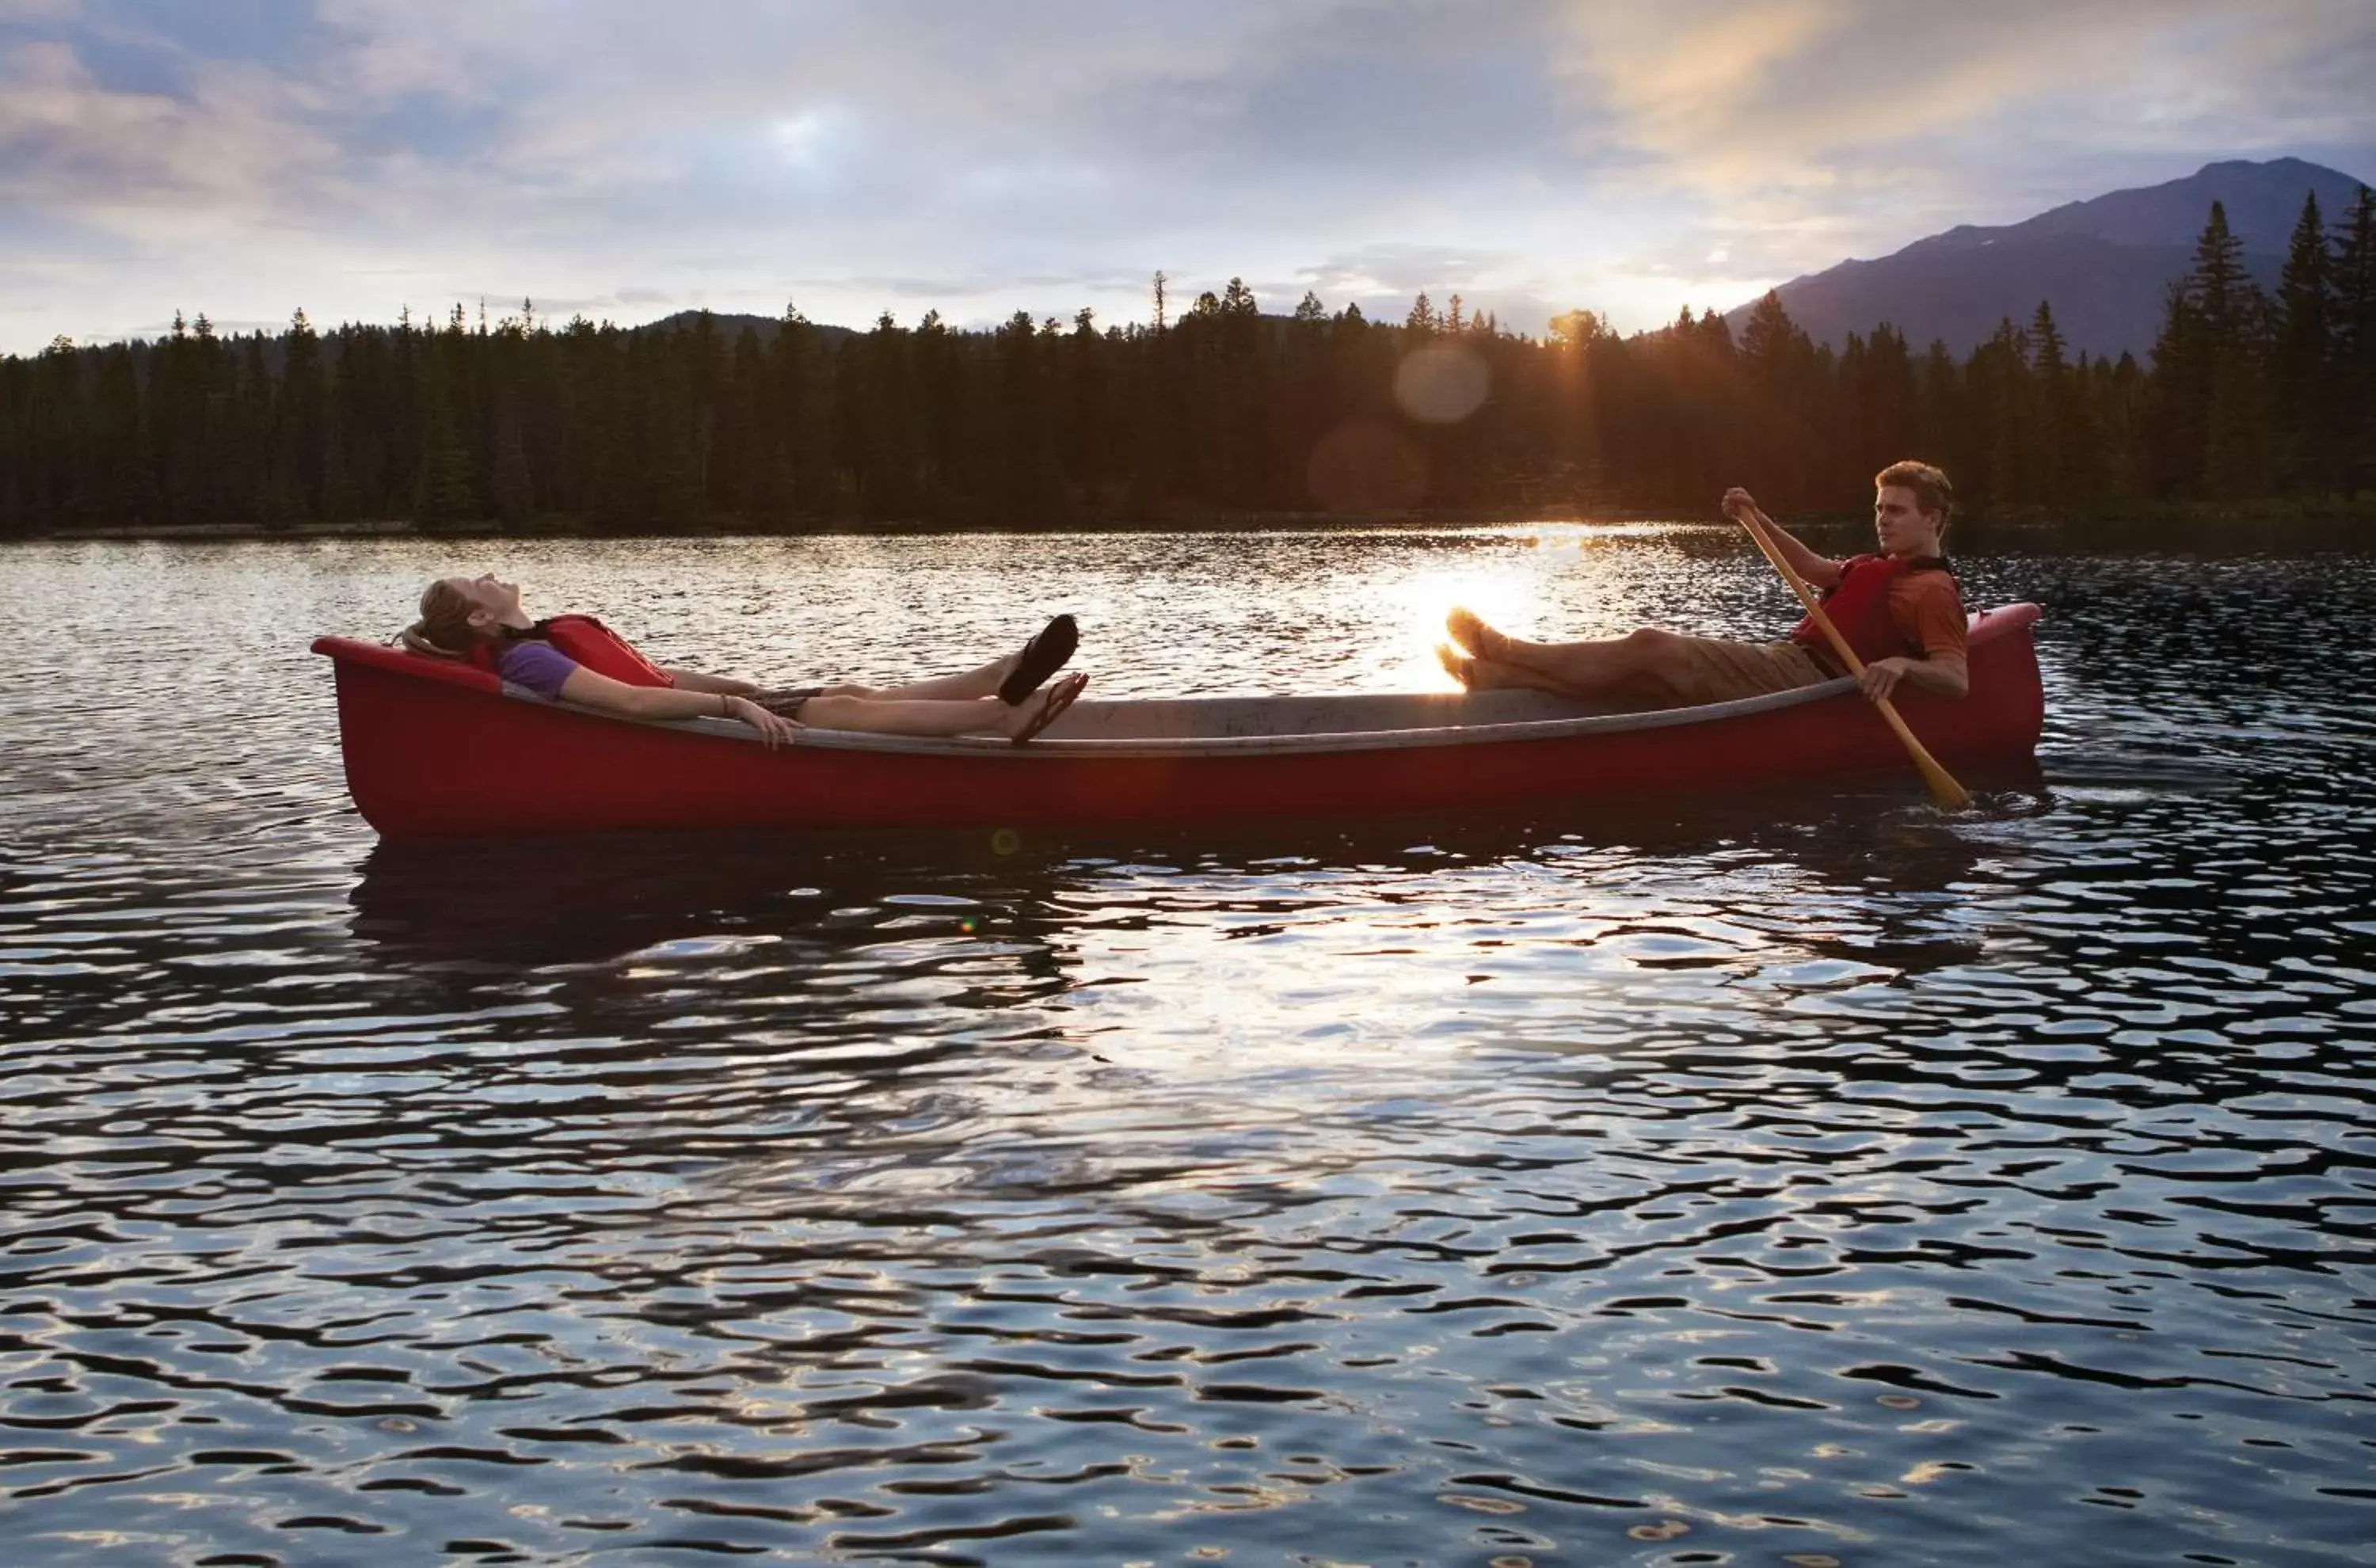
(1554, 581)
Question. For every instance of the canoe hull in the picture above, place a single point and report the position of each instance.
(444, 755)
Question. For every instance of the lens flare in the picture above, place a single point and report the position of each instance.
(1442, 384)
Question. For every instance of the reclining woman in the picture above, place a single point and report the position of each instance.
(576, 659)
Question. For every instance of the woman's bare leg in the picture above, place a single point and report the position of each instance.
(972, 683)
(985, 714)
(981, 683)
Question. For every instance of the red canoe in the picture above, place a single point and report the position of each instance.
(442, 750)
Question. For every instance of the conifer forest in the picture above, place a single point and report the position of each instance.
(1202, 414)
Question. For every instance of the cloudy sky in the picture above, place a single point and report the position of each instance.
(630, 158)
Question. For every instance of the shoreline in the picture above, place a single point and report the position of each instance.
(2121, 524)
(737, 527)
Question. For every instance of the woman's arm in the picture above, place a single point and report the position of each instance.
(695, 681)
(606, 695)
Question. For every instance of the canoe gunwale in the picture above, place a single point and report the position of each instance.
(1986, 625)
(1401, 738)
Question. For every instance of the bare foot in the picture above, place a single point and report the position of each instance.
(1456, 664)
(1469, 630)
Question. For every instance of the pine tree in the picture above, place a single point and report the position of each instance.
(2119, 404)
(2300, 363)
(2206, 425)
(1892, 405)
(805, 395)
(2352, 277)
(1770, 338)
(746, 449)
(340, 502)
(2001, 405)
(2229, 315)
(1776, 362)
(248, 490)
(1241, 393)
(297, 434)
(120, 478)
(2179, 399)
(674, 490)
(2053, 411)
(442, 497)
(510, 488)
(1087, 444)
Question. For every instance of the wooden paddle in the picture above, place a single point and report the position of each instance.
(1943, 788)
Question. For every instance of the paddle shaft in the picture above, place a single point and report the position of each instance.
(1943, 788)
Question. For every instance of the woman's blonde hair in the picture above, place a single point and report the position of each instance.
(443, 629)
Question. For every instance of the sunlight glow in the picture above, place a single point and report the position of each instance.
(1504, 595)
(1516, 581)
(1554, 580)
(803, 138)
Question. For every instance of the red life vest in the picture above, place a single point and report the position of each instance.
(1858, 606)
(588, 642)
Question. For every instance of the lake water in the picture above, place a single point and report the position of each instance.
(1804, 1179)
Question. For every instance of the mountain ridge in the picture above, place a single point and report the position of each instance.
(2104, 264)
(729, 326)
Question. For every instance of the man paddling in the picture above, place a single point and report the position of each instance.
(1899, 609)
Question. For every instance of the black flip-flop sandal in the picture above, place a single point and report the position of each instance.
(1061, 695)
(1041, 657)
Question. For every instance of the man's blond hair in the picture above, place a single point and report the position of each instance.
(1932, 493)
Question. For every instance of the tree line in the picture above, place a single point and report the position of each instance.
(1222, 412)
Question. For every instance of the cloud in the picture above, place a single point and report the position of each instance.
(1533, 155)
(70, 143)
(1822, 121)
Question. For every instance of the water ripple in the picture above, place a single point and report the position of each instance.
(1807, 1179)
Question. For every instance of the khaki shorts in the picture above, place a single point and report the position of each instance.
(1720, 669)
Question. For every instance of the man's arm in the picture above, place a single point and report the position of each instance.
(1943, 673)
(1821, 571)
(1930, 614)
(695, 681)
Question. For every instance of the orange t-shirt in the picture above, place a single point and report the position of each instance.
(1929, 612)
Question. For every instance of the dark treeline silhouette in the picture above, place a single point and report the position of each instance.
(1221, 411)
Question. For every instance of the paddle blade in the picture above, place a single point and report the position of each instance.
(1944, 790)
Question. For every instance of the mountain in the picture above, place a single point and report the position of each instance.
(729, 326)
(2104, 265)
